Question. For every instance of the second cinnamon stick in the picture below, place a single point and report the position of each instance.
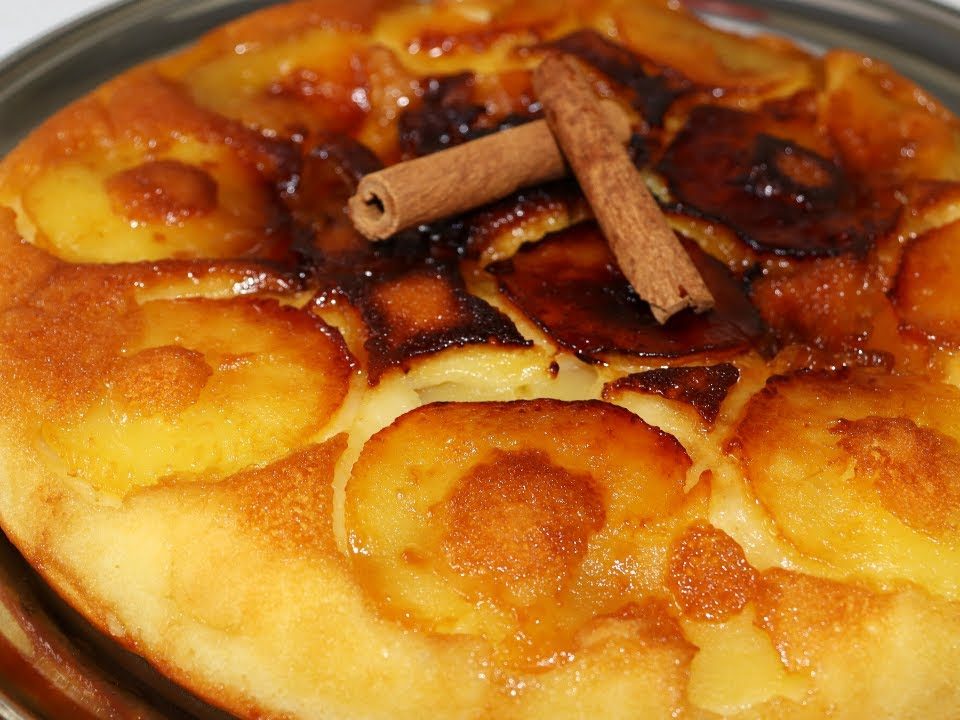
(466, 176)
(647, 251)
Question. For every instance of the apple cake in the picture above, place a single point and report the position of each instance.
(464, 473)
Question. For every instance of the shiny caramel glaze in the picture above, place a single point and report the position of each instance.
(162, 190)
(465, 467)
(570, 286)
(407, 292)
(924, 292)
(778, 195)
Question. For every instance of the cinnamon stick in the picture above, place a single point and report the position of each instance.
(647, 251)
(465, 176)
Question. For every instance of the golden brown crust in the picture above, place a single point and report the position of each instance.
(913, 469)
(709, 575)
(521, 523)
(801, 613)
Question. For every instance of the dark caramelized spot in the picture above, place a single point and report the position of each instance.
(449, 115)
(650, 94)
(640, 149)
(521, 524)
(703, 388)
(570, 285)
(709, 575)
(333, 168)
(161, 380)
(914, 470)
(352, 159)
(166, 191)
(328, 176)
(421, 310)
(444, 117)
(777, 195)
(784, 169)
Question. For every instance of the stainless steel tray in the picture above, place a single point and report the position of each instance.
(920, 38)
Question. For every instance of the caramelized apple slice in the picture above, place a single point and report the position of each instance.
(859, 469)
(926, 285)
(190, 199)
(569, 284)
(672, 37)
(309, 82)
(770, 177)
(510, 520)
(885, 126)
(822, 628)
(206, 388)
(839, 306)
